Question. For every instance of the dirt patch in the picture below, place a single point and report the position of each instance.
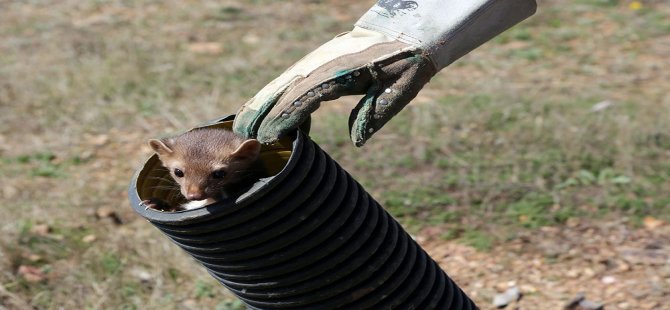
(608, 262)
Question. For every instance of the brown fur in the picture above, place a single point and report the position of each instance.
(201, 152)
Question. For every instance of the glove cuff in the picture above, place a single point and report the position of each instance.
(445, 29)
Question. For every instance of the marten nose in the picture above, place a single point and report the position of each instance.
(195, 194)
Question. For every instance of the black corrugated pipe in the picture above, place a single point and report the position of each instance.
(310, 237)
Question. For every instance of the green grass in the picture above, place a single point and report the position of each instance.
(600, 3)
(521, 163)
(477, 239)
(203, 290)
(230, 305)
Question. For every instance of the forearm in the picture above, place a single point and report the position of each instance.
(445, 29)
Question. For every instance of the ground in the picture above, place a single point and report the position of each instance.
(540, 160)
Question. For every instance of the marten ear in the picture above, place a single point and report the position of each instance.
(160, 146)
(249, 150)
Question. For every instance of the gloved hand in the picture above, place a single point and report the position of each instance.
(388, 72)
(391, 53)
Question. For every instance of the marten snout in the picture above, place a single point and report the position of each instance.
(195, 196)
(194, 193)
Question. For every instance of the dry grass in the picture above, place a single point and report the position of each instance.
(505, 138)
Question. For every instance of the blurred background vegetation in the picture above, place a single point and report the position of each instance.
(565, 118)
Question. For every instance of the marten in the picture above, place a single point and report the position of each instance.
(209, 165)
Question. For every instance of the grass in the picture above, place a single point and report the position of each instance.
(507, 138)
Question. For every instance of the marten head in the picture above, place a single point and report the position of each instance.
(205, 161)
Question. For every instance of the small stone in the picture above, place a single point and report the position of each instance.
(297, 103)
(608, 280)
(357, 73)
(581, 303)
(511, 295)
(574, 303)
(141, 274)
(311, 94)
(89, 238)
(325, 86)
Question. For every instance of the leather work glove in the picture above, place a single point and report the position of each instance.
(391, 53)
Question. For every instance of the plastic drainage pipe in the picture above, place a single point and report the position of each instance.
(310, 237)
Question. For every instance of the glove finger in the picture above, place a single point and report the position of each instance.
(297, 104)
(359, 116)
(402, 81)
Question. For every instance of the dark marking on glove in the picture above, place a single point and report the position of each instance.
(394, 7)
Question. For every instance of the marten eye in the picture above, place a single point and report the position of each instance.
(178, 173)
(218, 174)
